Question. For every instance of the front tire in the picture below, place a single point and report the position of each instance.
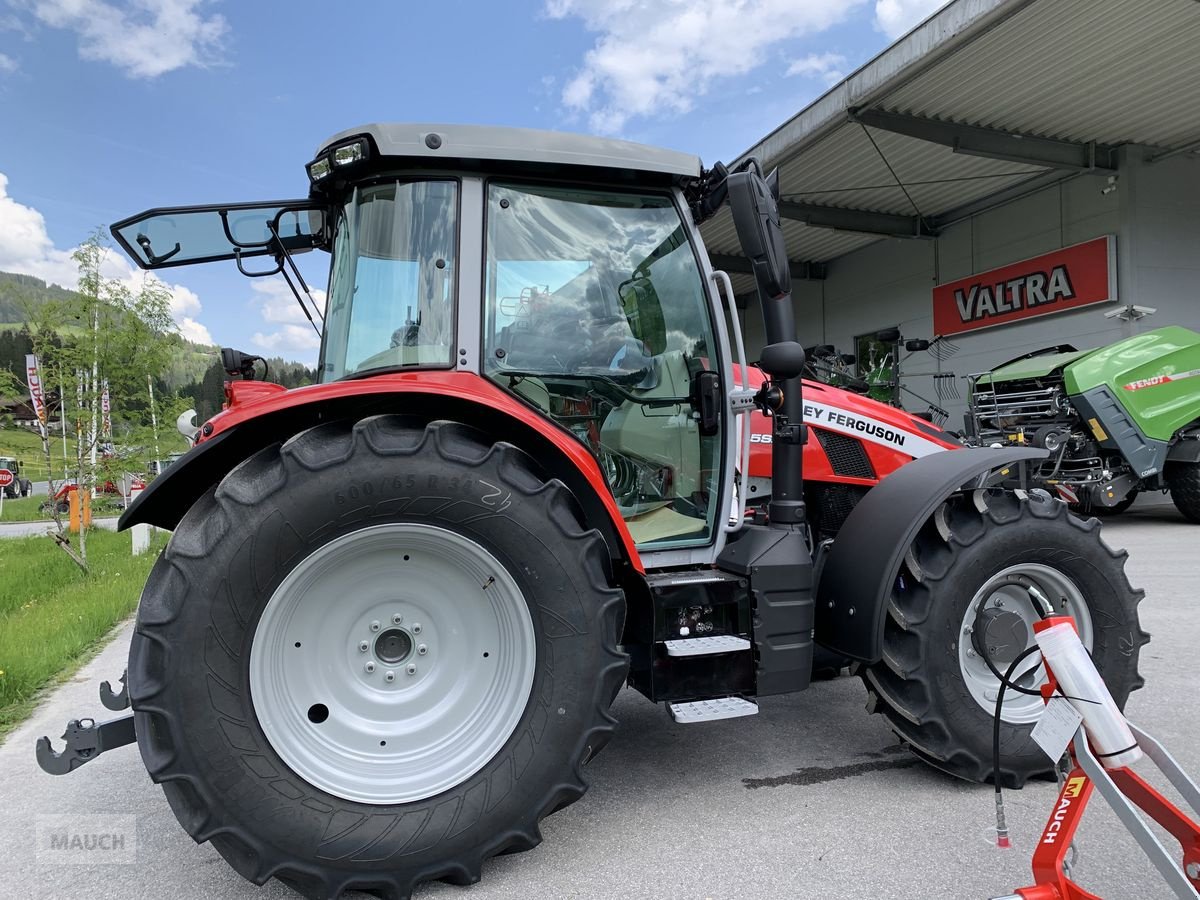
(931, 685)
(1183, 480)
(252, 701)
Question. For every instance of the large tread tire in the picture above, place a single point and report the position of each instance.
(188, 671)
(1183, 480)
(918, 686)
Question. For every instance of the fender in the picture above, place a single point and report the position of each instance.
(1186, 450)
(857, 576)
(257, 419)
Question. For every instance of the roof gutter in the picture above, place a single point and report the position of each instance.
(925, 46)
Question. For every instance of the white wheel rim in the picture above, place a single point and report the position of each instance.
(1007, 589)
(444, 679)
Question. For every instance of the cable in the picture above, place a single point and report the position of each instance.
(899, 183)
(1041, 606)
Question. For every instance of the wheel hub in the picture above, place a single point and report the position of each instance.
(385, 696)
(1002, 634)
(393, 646)
(997, 625)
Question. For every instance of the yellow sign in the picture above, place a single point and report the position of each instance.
(1074, 786)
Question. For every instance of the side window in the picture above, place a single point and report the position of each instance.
(392, 282)
(596, 313)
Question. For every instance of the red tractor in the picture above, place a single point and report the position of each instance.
(397, 604)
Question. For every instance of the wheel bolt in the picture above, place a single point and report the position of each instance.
(364, 646)
(370, 666)
(410, 669)
(389, 676)
(416, 629)
(397, 619)
(970, 652)
(375, 626)
(422, 650)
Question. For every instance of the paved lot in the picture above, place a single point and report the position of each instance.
(810, 799)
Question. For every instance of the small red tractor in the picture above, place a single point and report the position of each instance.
(397, 604)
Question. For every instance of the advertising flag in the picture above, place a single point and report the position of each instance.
(37, 398)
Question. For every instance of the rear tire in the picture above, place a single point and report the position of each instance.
(931, 700)
(1183, 480)
(216, 599)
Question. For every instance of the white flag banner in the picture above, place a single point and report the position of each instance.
(37, 397)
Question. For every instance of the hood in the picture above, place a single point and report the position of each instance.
(1038, 366)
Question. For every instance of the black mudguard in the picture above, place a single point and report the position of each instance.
(865, 558)
(171, 494)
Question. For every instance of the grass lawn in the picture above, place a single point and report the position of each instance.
(53, 617)
(26, 446)
(29, 509)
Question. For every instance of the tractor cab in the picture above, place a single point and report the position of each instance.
(570, 277)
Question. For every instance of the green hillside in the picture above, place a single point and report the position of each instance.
(192, 377)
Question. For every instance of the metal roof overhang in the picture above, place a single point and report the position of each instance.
(985, 101)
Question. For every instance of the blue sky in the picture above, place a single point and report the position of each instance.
(109, 107)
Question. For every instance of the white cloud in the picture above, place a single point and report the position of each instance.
(828, 67)
(897, 17)
(277, 303)
(653, 58)
(7, 64)
(289, 341)
(145, 38)
(295, 337)
(27, 249)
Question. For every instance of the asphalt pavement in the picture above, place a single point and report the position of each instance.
(812, 798)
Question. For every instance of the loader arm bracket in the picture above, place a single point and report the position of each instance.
(864, 561)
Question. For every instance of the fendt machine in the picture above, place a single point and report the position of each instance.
(397, 604)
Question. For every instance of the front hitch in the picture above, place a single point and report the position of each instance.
(85, 740)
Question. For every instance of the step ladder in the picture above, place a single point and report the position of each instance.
(707, 646)
(711, 710)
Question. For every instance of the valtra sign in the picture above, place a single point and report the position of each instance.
(1075, 276)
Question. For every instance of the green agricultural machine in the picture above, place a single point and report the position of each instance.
(1116, 421)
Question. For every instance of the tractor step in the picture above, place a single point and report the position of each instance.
(707, 646)
(711, 710)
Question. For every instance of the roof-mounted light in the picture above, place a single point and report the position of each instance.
(350, 153)
(340, 157)
(319, 168)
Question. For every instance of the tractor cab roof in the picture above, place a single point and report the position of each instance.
(516, 150)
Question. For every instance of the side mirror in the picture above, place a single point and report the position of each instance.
(888, 335)
(916, 345)
(756, 219)
(848, 359)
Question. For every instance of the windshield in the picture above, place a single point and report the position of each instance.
(392, 280)
(596, 313)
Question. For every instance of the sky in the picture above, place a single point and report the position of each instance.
(108, 108)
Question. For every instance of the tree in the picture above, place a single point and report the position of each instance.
(105, 336)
